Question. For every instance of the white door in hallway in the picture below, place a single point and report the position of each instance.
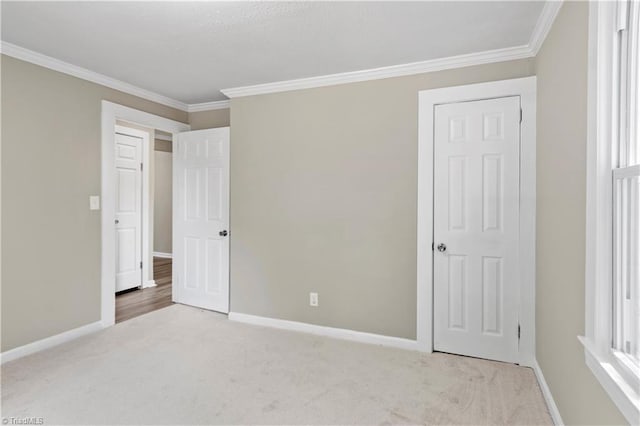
(201, 219)
(476, 222)
(128, 221)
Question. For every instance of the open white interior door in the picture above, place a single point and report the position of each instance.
(128, 220)
(201, 219)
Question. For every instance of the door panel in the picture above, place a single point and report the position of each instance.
(457, 291)
(492, 295)
(128, 158)
(476, 215)
(492, 192)
(201, 197)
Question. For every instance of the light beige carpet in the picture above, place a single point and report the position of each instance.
(181, 365)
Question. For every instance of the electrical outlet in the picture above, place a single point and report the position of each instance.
(313, 299)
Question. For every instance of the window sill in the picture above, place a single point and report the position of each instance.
(624, 396)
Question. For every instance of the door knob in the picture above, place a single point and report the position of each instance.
(117, 221)
(223, 233)
(442, 247)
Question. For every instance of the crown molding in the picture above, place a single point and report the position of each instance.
(36, 58)
(208, 106)
(27, 55)
(541, 29)
(544, 24)
(497, 55)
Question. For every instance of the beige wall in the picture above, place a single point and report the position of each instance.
(323, 185)
(162, 223)
(209, 119)
(50, 166)
(323, 198)
(561, 67)
(163, 145)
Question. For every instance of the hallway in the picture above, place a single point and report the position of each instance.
(136, 302)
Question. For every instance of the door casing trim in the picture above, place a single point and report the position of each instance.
(427, 100)
(112, 112)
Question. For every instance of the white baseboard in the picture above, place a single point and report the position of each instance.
(337, 333)
(49, 342)
(546, 393)
(150, 283)
(163, 255)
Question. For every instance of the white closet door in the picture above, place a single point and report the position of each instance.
(476, 215)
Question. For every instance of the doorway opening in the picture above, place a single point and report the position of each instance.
(188, 261)
(143, 220)
(121, 126)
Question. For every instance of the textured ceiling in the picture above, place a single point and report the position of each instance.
(190, 50)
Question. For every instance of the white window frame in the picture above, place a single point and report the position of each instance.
(617, 379)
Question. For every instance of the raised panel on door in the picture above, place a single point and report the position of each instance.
(492, 295)
(215, 193)
(126, 184)
(457, 193)
(214, 257)
(201, 252)
(125, 258)
(191, 271)
(457, 292)
(476, 214)
(492, 192)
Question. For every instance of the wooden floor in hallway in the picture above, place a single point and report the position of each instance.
(131, 304)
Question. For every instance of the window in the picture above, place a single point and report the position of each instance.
(626, 192)
(612, 332)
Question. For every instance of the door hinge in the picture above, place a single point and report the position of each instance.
(432, 246)
(140, 265)
(518, 331)
(521, 115)
(140, 166)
